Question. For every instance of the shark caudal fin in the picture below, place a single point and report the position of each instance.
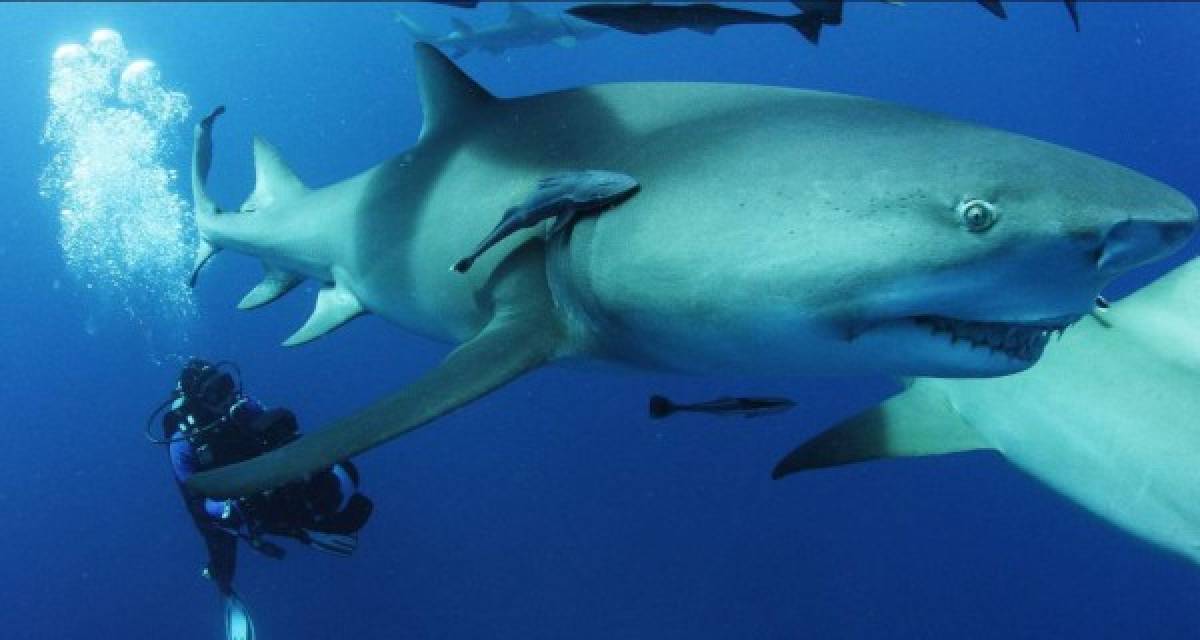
(202, 204)
(448, 96)
(918, 422)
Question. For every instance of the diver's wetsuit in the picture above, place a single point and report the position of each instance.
(327, 502)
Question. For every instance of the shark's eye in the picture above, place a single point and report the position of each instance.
(977, 215)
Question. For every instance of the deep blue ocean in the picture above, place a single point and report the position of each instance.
(553, 508)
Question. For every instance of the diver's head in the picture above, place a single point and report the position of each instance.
(203, 385)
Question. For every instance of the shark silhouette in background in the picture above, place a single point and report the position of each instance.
(523, 28)
(904, 250)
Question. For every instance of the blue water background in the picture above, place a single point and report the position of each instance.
(553, 508)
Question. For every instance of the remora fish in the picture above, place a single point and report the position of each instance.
(661, 406)
(566, 196)
(523, 28)
(740, 253)
(1107, 418)
(648, 18)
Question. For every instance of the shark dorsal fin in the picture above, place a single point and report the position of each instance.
(518, 13)
(274, 182)
(448, 96)
(462, 27)
(919, 422)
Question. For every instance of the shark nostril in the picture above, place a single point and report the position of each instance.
(1131, 243)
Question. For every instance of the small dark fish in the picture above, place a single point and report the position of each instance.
(566, 195)
(661, 407)
(705, 17)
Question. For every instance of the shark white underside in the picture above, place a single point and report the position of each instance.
(1107, 417)
(776, 231)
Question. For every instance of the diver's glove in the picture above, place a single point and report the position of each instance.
(336, 543)
(238, 625)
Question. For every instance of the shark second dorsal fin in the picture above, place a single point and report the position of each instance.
(918, 422)
(274, 182)
(519, 13)
(274, 284)
(448, 96)
(336, 306)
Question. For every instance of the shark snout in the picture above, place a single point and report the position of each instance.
(1133, 242)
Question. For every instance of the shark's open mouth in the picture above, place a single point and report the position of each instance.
(1022, 341)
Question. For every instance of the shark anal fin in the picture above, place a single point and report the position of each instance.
(524, 334)
(336, 306)
(918, 422)
(274, 284)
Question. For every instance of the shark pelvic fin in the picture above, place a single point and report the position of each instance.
(448, 96)
(274, 284)
(274, 181)
(523, 334)
(336, 306)
(918, 422)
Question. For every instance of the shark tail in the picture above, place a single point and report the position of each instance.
(415, 31)
(808, 24)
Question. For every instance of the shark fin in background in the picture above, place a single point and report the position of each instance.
(519, 13)
(336, 305)
(917, 422)
(995, 7)
(1074, 12)
(523, 334)
(448, 96)
(275, 283)
(462, 27)
(274, 182)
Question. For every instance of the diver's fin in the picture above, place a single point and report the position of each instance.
(336, 306)
(274, 182)
(274, 284)
(566, 42)
(338, 544)
(448, 96)
(918, 422)
(238, 625)
(523, 334)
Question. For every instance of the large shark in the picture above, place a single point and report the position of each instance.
(523, 28)
(1107, 417)
(776, 231)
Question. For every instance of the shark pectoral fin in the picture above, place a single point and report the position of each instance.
(274, 284)
(918, 422)
(205, 250)
(566, 42)
(336, 306)
(523, 334)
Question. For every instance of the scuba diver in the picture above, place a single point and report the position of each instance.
(210, 422)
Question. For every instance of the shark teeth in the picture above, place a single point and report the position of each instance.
(1019, 341)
